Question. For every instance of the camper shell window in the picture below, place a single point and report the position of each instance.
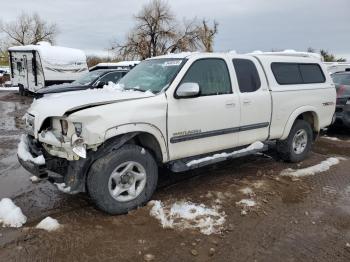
(297, 73)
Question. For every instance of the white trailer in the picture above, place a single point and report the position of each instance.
(36, 66)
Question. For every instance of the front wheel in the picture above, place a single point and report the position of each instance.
(123, 179)
(298, 143)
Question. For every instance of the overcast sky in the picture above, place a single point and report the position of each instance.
(243, 25)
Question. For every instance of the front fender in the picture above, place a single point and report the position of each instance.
(140, 127)
(297, 112)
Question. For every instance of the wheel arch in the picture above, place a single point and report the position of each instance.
(307, 113)
(144, 135)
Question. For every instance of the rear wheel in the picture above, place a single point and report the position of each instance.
(123, 180)
(298, 143)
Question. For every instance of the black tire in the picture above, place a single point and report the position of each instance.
(285, 147)
(101, 170)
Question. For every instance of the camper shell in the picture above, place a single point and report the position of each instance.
(36, 66)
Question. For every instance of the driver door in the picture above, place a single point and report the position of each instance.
(206, 123)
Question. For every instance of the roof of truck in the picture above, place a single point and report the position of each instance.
(54, 54)
(281, 54)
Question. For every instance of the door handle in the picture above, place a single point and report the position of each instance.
(230, 103)
(247, 101)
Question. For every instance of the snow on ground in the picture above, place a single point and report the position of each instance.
(334, 139)
(247, 191)
(246, 205)
(63, 187)
(188, 215)
(48, 224)
(10, 214)
(24, 154)
(312, 170)
(34, 179)
(10, 88)
(255, 146)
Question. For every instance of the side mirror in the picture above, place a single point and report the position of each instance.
(187, 90)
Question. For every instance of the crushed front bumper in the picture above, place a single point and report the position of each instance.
(28, 153)
(35, 169)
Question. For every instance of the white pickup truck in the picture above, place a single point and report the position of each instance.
(181, 111)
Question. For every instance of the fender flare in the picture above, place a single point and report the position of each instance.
(297, 112)
(142, 128)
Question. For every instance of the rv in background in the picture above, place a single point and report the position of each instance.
(36, 66)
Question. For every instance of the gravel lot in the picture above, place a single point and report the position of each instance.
(294, 219)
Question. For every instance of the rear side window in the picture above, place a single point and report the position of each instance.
(297, 73)
(211, 75)
(311, 73)
(247, 75)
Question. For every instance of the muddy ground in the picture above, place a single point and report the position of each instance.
(306, 219)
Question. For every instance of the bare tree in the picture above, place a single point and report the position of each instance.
(28, 29)
(207, 34)
(327, 56)
(158, 32)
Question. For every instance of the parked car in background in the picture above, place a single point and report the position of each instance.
(94, 79)
(36, 66)
(118, 65)
(181, 111)
(337, 67)
(342, 85)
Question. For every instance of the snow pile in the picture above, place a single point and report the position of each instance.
(120, 87)
(312, 170)
(247, 191)
(48, 224)
(10, 88)
(63, 187)
(10, 214)
(24, 154)
(255, 146)
(246, 205)
(187, 215)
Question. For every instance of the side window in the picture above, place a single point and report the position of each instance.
(311, 73)
(211, 75)
(286, 73)
(247, 75)
(297, 73)
(111, 77)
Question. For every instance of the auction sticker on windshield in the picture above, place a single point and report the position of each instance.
(172, 63)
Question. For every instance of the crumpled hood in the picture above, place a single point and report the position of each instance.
(56, 105)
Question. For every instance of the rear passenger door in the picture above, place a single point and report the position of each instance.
(255, 101)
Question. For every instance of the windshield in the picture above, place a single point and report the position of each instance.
(341, 79)
(152, 75)
(87, 78)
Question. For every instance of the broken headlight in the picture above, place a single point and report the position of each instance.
(78, 128)
(78, 146)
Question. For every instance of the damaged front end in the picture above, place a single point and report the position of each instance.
(57, 152)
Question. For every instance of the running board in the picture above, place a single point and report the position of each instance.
(205, 160)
